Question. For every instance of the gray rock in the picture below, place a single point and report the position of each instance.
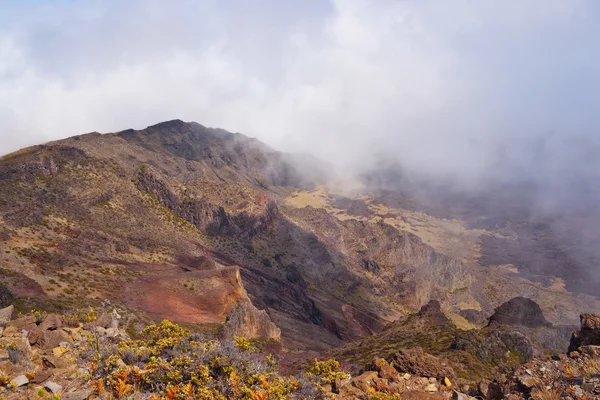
(77, 395)
(114, 319)
(20, 380)
(588, 387)
(6, 313)
(461, 396)
(52, 387)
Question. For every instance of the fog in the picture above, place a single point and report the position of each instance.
(459, 88)
(469, 93)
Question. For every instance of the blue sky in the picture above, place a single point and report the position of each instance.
(453, 87)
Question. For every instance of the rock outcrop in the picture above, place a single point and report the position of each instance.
(417, 362)
(589, 334)
(247, 321)
(519, 311)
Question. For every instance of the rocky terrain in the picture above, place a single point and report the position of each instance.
(89, 355)
(228, 238)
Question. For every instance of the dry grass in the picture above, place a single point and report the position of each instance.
(541, 393)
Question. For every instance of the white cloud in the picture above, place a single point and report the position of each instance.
(440, 85)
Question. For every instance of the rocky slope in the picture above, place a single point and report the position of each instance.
(90, 356)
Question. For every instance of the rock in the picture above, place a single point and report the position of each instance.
(386, 371)
(574, 354)
(77, 395)
(26, 323)
(103, 321)
(350, 392)
(52, 323)
(382, 385)
(483, 388)
(55, 362)
(48, 362)
(433, 312)
(6, 313)
(475, 317)
(74, 333)
(10, 331)
(248, 321)
(417, 362)
(461, 396)
(589, 333)
(52, 339)
(528, 381)
(519, 311)
(365, 380)
(590, 350)
(52, 387)
(431, 387)
(20, 380)
(406, 376)
(114, 319)
(339, 384)
(111, 333)
(58, 351)
(41, 376)
(36, 336)
(588, 386)
(494, 392)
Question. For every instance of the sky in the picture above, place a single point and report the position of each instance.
(450, 88)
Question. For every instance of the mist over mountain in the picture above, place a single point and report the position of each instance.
(319, 199)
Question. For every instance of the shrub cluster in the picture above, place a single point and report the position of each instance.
(173, 363)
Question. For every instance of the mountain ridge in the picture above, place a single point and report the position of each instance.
(142, 207)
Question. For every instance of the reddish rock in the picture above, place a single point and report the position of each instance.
(417, 362)
(52, 322)
(41, 376)
(386, 371)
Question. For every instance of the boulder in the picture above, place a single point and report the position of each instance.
(41, 376)
(591, 350)
(365, 381)
(7, 313)
(589, 334)
(77, 395)
(52, 339)
(52, 322)
(338, 384)
(247, 321)
(114, 320)
(386, 371)
(20, 380)
(433, 312)
(27, 323)
(519, 311)
(52, 387)
(417, 362)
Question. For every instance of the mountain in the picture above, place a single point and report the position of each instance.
(230, 239)
(194, 224)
